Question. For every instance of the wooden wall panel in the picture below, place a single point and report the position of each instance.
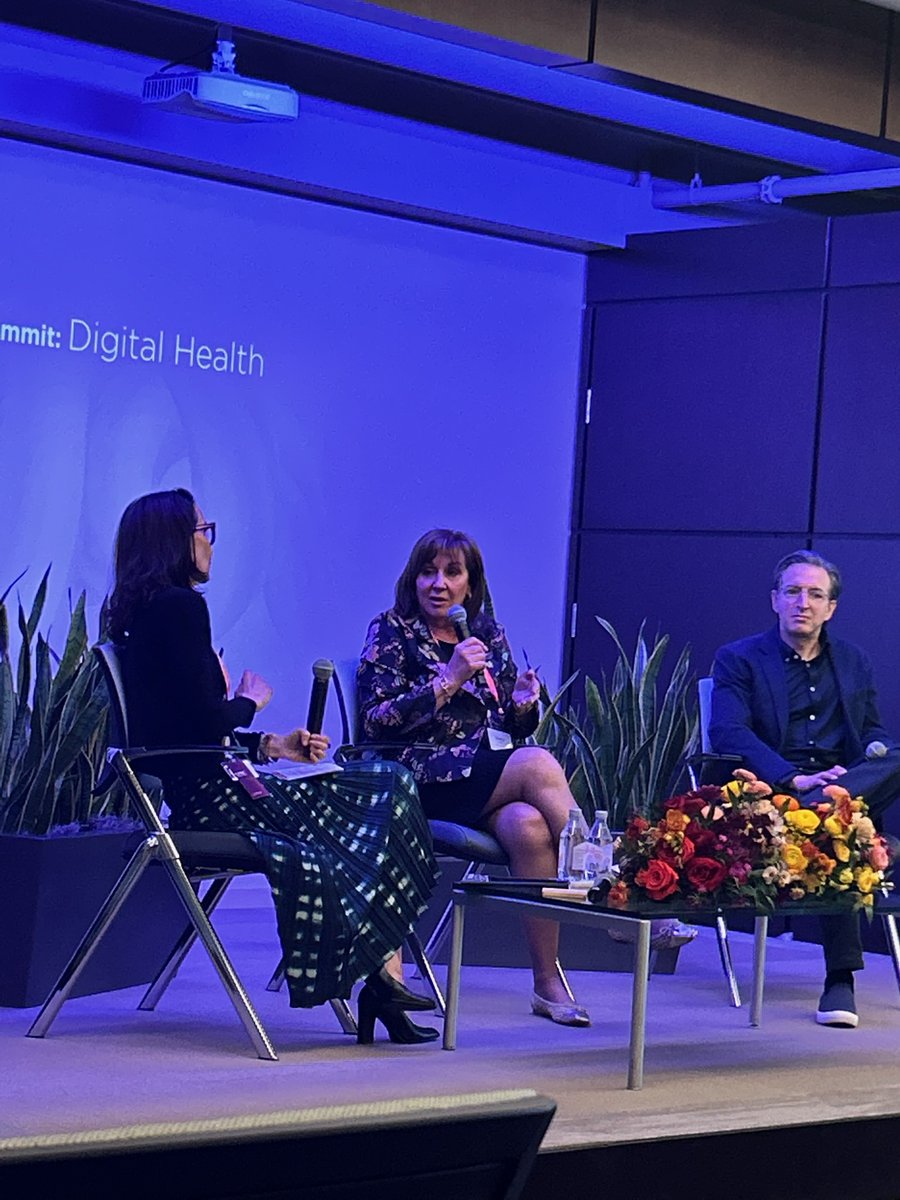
(819, 59)
(561, 26)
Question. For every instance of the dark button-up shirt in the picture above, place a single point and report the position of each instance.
(816, 733)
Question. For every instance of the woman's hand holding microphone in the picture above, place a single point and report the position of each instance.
(469, 657)
(299, 745)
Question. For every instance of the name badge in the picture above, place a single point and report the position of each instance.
(244, 774)
(498, 739)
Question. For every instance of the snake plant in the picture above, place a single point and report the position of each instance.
(53, 713)
(624, 750)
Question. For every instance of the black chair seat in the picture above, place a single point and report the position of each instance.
(212, 851)
(460, 841)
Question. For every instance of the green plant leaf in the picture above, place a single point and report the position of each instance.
(37, 605)
(23, 674)
(7, 715)
(52, 725)
(546, 722)
(625, 750)
(74, 653)
(20, 575)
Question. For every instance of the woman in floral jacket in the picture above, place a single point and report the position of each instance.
(460, 705)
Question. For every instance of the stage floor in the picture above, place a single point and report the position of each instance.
(106, 1065)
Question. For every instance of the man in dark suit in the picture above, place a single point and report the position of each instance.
(799, 707)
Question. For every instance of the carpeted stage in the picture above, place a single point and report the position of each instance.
(786, 1110)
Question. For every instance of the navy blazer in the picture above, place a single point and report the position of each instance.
(750, 703)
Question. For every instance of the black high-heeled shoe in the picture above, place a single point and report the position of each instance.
(399, 1027)
(391, 991)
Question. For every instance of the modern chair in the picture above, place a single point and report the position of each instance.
(702, 768)
(451, 840)
(189, 858)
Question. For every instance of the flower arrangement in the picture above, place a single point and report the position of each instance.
(743, 846)
(831, 851)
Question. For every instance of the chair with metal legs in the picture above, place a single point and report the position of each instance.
(189, 858)
(706, 759)
(451, 840)
(695, 768)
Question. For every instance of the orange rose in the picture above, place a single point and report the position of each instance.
(677, 821)
(788, 803)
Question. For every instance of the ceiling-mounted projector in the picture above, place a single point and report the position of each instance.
(221, 93)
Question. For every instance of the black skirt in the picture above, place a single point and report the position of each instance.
(348, 859)
(464, 800)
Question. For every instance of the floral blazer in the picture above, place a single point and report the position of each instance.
(397, 702)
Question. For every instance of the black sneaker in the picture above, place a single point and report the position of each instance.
(837, 1006)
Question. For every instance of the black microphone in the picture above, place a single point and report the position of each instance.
(323, 669)
(460, 618)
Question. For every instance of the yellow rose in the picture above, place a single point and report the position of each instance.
(834, 826)
(846, 877)
(868, 900)
(804, 820)
(794, 859)
(866, 879)
(840, 850)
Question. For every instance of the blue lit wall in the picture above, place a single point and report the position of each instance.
(745, 403)
(394, 376)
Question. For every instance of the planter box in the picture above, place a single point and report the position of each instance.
(50, 891)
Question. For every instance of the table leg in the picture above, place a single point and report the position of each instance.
(760, 932)
(639, 1006)
(454, 966)
(890, 932)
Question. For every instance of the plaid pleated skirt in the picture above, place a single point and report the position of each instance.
(348, 858)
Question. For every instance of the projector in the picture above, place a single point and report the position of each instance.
(222, 95)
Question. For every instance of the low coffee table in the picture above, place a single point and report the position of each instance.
(525, 896)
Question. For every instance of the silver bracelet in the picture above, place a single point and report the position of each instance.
(444, 685)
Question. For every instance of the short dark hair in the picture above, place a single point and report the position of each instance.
(154, 550)
(423, 552)
(810, 559)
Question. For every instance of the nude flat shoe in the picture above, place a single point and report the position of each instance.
(566, 1013)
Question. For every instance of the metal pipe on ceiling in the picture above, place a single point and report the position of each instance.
(773, 189)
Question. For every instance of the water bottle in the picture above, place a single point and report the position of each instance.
(598, 852)
(571, 840)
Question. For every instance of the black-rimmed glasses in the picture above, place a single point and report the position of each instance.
(208, 529)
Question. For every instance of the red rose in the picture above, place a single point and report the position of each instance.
(704, 841)
(705, 874)
(676, 851)
(636, 826)
(658, 879)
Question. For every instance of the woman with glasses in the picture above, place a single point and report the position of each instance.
(348, 854)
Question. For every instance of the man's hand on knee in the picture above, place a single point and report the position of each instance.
(805, 783)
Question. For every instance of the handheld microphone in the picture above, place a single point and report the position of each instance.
(460, 618)
(323, 669)
(876, 750)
